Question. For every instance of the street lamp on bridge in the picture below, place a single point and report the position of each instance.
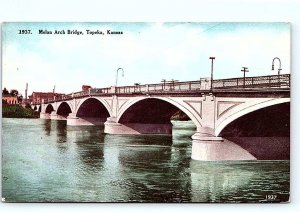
(212, 72)
(245, 69)
(279, 68)
(118, 74)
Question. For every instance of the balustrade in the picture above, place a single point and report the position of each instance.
(271, 81)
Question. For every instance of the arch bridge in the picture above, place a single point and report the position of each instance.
(147, 109)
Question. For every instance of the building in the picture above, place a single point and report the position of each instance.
(10, 100)
(86, 87)
(38, 97)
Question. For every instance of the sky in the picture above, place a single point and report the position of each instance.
(147, 52)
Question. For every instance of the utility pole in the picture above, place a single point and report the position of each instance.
(245, 69)
(164, 83)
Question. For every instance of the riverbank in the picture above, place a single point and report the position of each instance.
(17, 111)
(180, 116)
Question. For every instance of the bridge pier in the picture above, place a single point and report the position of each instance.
(44, 115)
(113, 127)
(219, 151)
(73, 120)
(55, 116)
(207, 147)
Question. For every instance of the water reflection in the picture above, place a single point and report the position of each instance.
(211, 181)
(83, 164)
(232, 181)
(61, 137)
(61, 131)
(145, 151)
(47, 126)
(149, 172)
(89, 142)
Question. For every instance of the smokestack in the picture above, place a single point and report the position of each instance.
(26, 91)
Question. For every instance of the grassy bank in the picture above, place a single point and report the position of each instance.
(17, 111)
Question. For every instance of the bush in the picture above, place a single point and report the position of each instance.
(17, 111)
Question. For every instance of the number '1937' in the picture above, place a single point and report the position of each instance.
(271, 197)
(24, 31)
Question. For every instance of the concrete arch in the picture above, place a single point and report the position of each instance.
(103, 102)
(247, 110)
(49, 108)
(63, 106)
(180, 105)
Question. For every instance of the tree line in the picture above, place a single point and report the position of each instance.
(12, 92)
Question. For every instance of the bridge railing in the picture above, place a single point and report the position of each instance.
(270, 81)
(165, 87)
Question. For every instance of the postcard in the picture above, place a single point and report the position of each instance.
(175, 112)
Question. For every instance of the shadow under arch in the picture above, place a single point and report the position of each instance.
(264, 133)
(93, 111)
(167, 101)
(151, 115)
(64, 109)
(248, 110)
(49, 109)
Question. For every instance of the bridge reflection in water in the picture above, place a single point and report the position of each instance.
(71, 163)
(238, 181)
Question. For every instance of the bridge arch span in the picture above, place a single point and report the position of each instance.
(91, 111)
(64, 109)
(246, 110)
(173, 104)
(102, 103)
(49, 108)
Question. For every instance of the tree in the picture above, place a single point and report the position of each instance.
(5, 91)
(14, 92)
(20, 98)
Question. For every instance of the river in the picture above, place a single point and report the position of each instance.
(48, 161)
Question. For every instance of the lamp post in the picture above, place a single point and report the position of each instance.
(279, 68)
(245, 69)
(118, 74)
(212, 72)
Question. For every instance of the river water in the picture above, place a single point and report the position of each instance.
(47, 161)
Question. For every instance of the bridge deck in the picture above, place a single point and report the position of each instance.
(270, 83)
